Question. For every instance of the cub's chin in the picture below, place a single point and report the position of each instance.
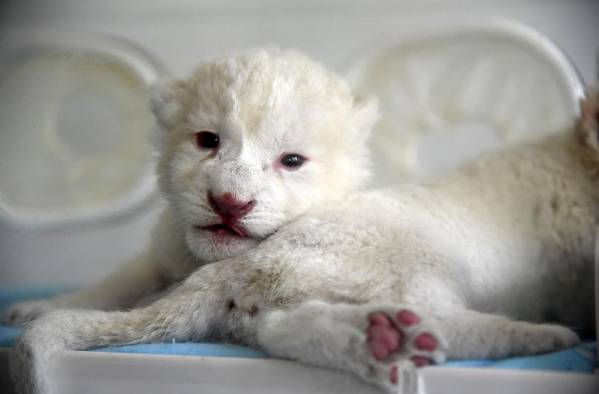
(214, 243)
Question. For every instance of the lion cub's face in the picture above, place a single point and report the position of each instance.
(251, 142)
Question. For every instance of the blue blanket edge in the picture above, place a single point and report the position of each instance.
(580, 359)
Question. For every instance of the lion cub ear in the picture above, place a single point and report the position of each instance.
(167, 101)
(366, 113)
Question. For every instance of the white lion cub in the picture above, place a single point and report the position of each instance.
(261, 159)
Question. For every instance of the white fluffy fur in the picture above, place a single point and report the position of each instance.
(484, 254)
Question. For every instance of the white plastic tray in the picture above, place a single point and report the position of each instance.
(95, 373)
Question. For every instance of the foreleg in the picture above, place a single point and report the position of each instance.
(166, 262)
(122, 289)
(188, 312)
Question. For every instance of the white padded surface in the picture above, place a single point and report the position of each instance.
(448, 95)
(75, 122)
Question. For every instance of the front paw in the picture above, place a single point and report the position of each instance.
(23, 312)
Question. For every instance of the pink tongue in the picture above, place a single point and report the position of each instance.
(222, 232)
(226, 230)
(236, 230)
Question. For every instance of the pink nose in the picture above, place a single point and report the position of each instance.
(228, 207)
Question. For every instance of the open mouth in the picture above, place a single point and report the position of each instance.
(223, 229)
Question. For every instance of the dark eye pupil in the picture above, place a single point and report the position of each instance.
(292, 160)
(207, 140)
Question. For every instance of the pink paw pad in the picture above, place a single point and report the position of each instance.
(383, 337)
(379, 319)
(407, 317)
(425, 341)
(388, 334)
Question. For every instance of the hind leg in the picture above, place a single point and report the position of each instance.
(472, 334)
(381, 343)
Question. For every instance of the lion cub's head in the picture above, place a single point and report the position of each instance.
(251, 142)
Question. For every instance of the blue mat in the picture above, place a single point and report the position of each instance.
(581, 359)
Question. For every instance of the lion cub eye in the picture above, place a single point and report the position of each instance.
(206, 140)
(293, 160)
